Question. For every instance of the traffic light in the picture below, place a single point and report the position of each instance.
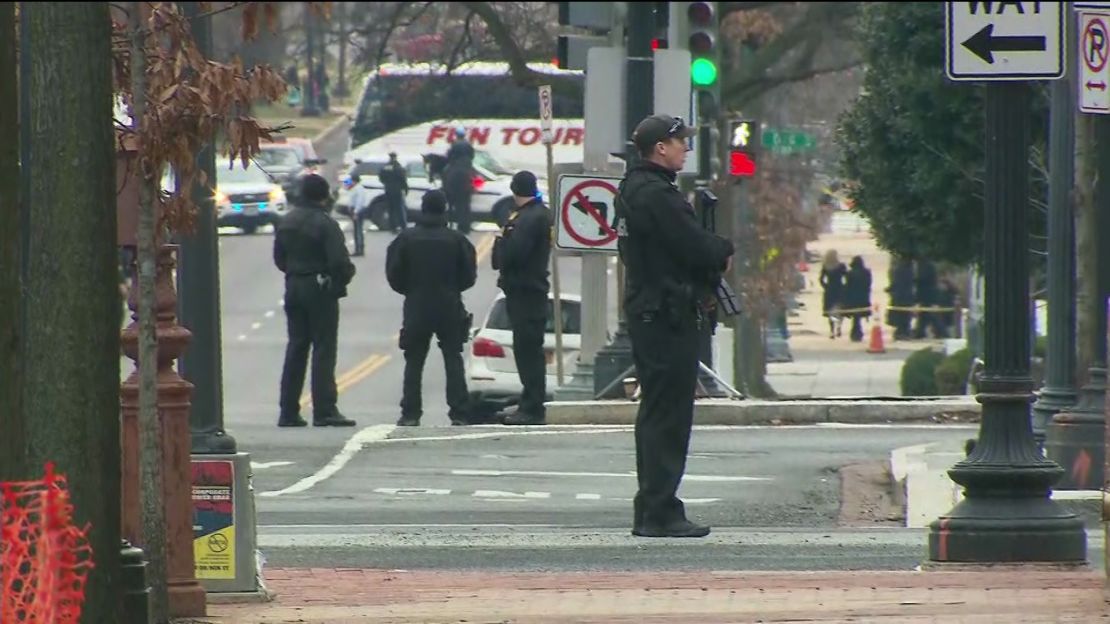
(743, 140)
(702, 42)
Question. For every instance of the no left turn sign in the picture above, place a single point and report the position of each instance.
(587, 211)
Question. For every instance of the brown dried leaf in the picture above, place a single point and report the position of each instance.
(250, 21)
(270, 13)
(168, 93)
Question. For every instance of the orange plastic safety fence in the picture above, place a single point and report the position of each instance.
(44, 559)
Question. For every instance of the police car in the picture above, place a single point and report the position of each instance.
(248, 197)
(491, 202)
(491, 374)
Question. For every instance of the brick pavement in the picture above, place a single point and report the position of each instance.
(358, 596)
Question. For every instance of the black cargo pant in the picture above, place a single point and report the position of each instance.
(395, 204)
(665, 352)
(460, 211)
(528, 316)
(443, 319)
(312, 321)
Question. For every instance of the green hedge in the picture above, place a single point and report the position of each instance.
(950, 375)
(918, 373)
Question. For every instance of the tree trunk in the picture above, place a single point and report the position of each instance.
(71, 362)
(150, 427)
(12, 442)
(341, 17)
(1086, 246)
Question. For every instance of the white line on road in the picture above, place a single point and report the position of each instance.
(503, 494)
(379, 434)
(393, 525)
(587, 496)
(373, 433)
(273, 464)
(544, 473)
(255, 325)
(242, 337)
(269, 314)
(412, 491)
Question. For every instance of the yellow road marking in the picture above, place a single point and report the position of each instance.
(484, 246)
(371, 364)
(364, 373)
(343, 381)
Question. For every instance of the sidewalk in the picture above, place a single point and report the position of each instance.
(825, 367)
(354, 596)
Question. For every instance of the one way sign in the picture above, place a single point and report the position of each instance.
(1004, 40)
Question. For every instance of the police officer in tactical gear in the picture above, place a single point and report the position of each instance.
(672, 266)
(458, 179)
(310, 250)
(431, 265)
(396, 184)
(521, 253)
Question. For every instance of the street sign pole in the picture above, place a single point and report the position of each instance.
(1058, 394)
(546, 115)
(1007, 514)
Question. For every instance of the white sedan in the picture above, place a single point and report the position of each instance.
(491, 370)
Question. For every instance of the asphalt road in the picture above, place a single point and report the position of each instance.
(520, 498)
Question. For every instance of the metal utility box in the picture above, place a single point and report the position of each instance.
(225, 536)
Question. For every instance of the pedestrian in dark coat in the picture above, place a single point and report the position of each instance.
(673, 266)
(458, 180)
(431, 265)
(857, 296)
(522, 254)
(310, 250)
(901, 296)
(927, 296)
(832, 277)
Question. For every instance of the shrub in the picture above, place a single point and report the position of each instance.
(918, 373)
(950, 375)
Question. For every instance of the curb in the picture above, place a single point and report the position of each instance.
(919, 477)
(797, 412)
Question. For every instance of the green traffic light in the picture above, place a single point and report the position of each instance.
(703, 72)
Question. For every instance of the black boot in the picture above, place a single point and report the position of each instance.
(291, 420)
(331, 419)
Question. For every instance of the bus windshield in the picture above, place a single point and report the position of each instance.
(402, 95)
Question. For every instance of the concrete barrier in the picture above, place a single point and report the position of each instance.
(857, 410)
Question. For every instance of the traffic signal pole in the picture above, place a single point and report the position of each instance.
(639, 102)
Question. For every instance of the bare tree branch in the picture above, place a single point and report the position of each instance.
(394, 19)
(464, 40)
(805, 30)
(518, 66)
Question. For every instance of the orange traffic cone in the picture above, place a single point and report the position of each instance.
(876, 345)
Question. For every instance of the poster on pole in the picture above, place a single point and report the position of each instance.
(214, 519)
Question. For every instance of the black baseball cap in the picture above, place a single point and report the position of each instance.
(660, 128)
(524, 184)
